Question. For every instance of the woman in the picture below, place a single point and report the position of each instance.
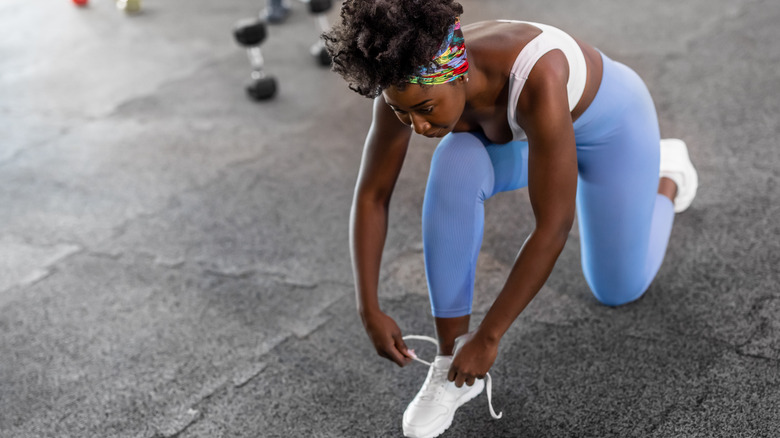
(516, 104)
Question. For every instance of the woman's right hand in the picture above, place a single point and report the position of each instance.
(387, 339)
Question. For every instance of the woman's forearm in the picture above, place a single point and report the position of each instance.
(368, 229)
(531, 269)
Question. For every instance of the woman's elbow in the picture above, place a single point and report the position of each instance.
(556, 233)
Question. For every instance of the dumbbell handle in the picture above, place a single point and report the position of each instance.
(255, 57)
(322, 19)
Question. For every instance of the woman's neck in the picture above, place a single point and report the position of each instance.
(484, 92)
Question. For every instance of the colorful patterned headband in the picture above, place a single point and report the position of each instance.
(450, 60)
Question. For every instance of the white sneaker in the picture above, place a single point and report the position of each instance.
(431, 411)
(433, 408)
(676, 165)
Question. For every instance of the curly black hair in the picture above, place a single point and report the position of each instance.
(381, 43)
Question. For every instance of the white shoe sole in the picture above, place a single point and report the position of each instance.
(676, 165)
(476, 389)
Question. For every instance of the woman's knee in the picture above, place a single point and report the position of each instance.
(460, 147)
(461, 163)
(616, 290)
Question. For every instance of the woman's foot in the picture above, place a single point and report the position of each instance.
(431, 411)
(676, 165)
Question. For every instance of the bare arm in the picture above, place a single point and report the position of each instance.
(543, 112)
(552, 188)
(383, 156)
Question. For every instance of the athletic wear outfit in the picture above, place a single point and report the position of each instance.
(624, 223)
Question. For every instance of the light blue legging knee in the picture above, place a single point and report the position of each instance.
(624, 223)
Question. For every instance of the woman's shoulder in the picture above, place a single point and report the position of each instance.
(507, 31)
(495, 44)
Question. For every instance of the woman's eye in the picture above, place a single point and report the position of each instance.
(403, 117)
(426, 110)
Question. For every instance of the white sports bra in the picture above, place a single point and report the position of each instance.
(550, 39)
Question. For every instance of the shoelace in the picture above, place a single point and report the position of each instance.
(433, 387)
(488, 380)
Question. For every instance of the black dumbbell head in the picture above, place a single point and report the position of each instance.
(319, 6)
(250, 32)
(262, 89)
(323, 57)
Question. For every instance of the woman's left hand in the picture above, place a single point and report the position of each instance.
(472, 360)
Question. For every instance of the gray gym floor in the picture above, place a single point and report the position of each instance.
(174, 258)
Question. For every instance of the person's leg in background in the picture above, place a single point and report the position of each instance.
(276, 11)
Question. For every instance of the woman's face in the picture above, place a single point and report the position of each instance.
(432, 110)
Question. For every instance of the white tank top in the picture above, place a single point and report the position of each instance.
(550, 39)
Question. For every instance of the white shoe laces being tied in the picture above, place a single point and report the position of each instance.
(488, 380)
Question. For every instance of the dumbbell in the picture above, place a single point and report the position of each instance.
(318, 8)
(251, 34)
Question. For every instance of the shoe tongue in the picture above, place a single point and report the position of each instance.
(442, 362)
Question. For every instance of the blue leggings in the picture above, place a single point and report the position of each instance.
(624, 223)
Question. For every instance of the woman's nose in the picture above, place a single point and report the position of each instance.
(420, 125)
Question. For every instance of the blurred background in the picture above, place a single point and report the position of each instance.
(174, 255)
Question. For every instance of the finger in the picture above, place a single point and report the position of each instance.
(399, 342)
(382, 351)
(470, 380)
(396, 356)
(459, 380)
(403, 349)
(451, 374)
